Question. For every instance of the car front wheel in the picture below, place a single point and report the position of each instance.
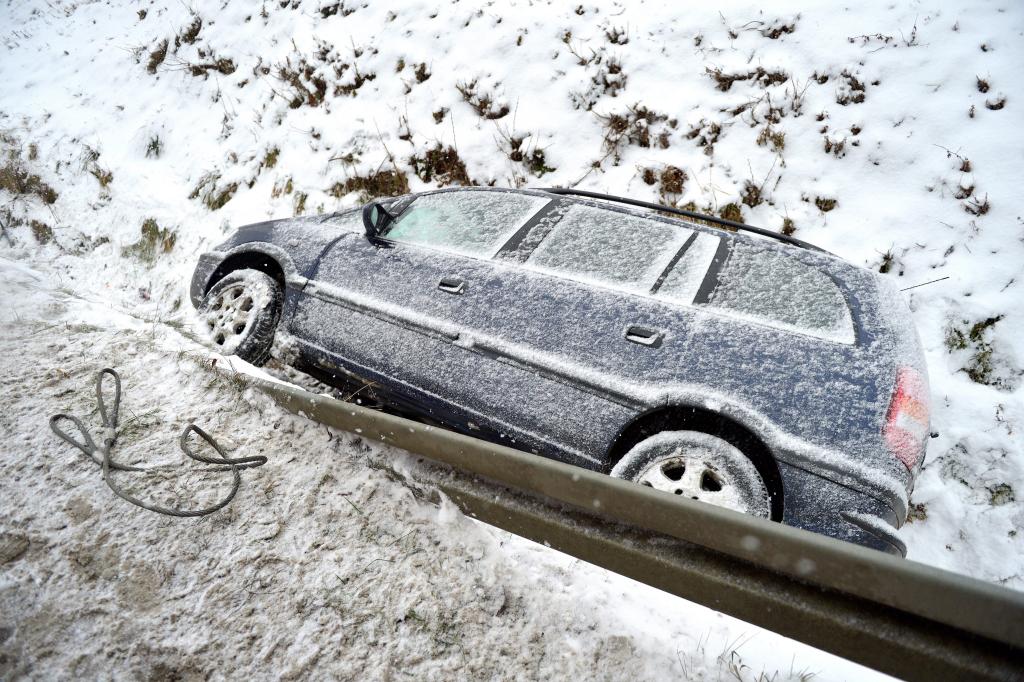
(698, 466)
(240, 314)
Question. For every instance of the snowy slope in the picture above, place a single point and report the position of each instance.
(134, 135)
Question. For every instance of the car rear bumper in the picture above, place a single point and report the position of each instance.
(822, 506)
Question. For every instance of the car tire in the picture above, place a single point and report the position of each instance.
(240, 314)
(699, 466)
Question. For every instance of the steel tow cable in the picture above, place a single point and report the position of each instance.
(101, 454)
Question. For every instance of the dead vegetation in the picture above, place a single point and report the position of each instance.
(213, 195)
(851, 89)
(976, 205)
(533, 158)
(917, 512)
(221, 65)
(155, 147)
(483, 103)
(299, 203)
(771, 137)
(90, 162)
(670, 180)
(310, 79)
(995, 104)
(606, 74)
(616, 35)
(270, 158)
(17, 180)
(706, 134)
(282, 187)
(778, 28)
(836, 146)
(884, 40)
(887, 261)
(154, 241)
(825, 204)
(751, 194)
(382, 183)
(335, 8)
(638, 126)
(157, 56)
(441, 165)
(731, 211)
(759, 76)
(976, 338)
(190, 34)
(42, 232)
(307, 85)
(606, 78)
(26, 188)
(965, 190)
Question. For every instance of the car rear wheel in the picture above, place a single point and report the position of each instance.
(698, 466)
(240, 314)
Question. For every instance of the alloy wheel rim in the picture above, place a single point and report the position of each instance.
(230, 316)
(697, 477)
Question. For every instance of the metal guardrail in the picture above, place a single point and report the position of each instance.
(894, 615)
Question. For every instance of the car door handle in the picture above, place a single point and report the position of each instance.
(452, 285)
(645, 336)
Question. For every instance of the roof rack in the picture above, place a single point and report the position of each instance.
(689, 214)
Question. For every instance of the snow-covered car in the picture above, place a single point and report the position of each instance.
(752, 371)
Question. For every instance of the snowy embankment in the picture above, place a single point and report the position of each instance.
(133, 136)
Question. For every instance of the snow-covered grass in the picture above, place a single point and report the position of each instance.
(134, 135)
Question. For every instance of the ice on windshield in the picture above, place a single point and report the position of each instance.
(609, 248)
(471, 223)
(760, 282)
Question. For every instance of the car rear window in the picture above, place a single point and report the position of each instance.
(609, 248)
(470, 223)
(762, 283)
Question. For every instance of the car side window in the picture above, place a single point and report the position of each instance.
(609, 248)
(471, 223)
(775, 288)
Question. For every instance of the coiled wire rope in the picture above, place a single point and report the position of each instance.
(101, 454)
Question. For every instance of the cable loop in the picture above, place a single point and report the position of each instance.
(100, 455)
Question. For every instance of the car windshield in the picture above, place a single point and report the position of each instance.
(472, 223)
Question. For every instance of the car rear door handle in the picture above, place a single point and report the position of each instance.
(644, 336)
(452, 285)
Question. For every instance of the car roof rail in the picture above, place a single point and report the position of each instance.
(689, 214)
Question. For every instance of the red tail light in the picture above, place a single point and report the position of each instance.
(906, 424)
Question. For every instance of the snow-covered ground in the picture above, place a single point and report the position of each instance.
(134, 135)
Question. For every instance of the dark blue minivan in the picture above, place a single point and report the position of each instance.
(734, 366)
